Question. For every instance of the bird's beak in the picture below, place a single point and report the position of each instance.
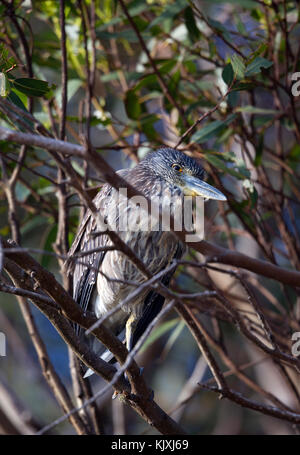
(195, 187)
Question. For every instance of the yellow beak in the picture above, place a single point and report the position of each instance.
(196, 187)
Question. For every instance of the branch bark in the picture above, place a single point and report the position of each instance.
(140, 400)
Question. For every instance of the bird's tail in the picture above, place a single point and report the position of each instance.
(107, 356)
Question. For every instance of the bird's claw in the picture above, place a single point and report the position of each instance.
(114, 395)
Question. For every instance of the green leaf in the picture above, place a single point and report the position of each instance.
(257, 14)
(170, 11)
(255, 66)
(238, 169)
(22, 192)
(225, 135)
(239, 25)
(190, 65)
(31, 87)
(295, 153)
(190, 23)
(211, 129)
(238, 66)
(243, 86)
(147, 126)
(207, 131)
(228, 74)
(259, 151)
(259, 51)
(233, 98)
(173, 83)
(252, 192)
(219, 164)
(146, 81)
(6, 62)
(14, 98)
(256, 110)
(239, 163)
(167, 66)
(132, 105)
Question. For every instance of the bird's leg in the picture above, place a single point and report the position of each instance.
(131, 324)
(130, 328)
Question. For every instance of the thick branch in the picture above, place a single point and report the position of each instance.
(141, 402)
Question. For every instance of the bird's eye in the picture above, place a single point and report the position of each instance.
(176, 167)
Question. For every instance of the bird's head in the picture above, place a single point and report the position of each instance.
(182, 171)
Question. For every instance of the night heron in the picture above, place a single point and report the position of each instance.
(102, 280)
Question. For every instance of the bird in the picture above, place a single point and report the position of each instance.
(102, 280)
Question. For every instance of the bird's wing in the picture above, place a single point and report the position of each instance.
(152, 305)
(84, 269)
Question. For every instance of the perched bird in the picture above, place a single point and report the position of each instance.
(103, 279)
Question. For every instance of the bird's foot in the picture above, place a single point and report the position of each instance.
(128, 395)
(118, 394)
(114, 395)
(141, 372)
